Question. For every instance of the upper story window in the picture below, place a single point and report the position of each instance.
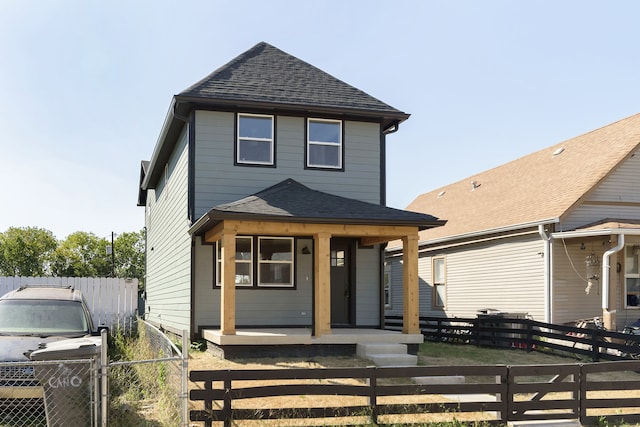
(255, 144)
(324, 143)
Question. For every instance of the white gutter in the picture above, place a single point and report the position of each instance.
(606, 266)
(547, 273)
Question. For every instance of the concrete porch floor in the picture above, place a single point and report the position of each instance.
(302, 336)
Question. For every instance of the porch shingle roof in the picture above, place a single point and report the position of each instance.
(535, 188)
(294, 202)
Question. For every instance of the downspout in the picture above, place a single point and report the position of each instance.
(606, 267)
(547, 272)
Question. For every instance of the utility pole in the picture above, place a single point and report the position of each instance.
(113, 257)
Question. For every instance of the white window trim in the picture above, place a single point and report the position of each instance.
(630, 275)
(291, 283)
(434, 302)
(250, 262)
(239, 138)
(333, 144)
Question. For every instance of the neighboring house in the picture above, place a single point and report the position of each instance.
(264, 202)
(554, 234)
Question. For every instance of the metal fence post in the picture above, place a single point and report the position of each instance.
(104, 390)
(185, 377)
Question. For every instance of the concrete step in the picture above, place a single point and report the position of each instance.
(394, 359)
(366, 349)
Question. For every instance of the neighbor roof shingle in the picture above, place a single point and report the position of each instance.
(536, 187)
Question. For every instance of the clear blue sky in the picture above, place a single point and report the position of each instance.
(86, 85)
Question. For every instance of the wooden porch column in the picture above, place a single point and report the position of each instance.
(322, 284)
(411, 301)
(228, 277)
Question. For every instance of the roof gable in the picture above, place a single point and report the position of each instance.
(266, 75)
(541, 187)
(293, 202)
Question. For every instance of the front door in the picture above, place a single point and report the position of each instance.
(342, 295)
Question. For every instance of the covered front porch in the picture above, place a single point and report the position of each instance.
(226, 231)
(292, 213)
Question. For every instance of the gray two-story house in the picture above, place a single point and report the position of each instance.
(265, 207)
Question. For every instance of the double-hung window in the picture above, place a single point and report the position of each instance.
(439, 282)
(632, 276)
(324, 143)
(255, 143)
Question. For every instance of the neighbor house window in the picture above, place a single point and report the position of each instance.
(244, 262)
(255, 143)
(632, 276)
(439, 282)
(324, 143)
(275, 264)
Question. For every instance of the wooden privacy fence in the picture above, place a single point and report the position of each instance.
(498, 331)
(417, 395)
(113, 302)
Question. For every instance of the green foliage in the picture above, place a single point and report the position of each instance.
(33, 251)
(26, 251)
(128, 249)
(82, 254)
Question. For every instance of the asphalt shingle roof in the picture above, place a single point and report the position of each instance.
(266, 74)
(291, 201)
(536, 187)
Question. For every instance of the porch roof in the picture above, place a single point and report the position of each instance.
(291, 201)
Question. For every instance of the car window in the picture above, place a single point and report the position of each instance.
(26, 317)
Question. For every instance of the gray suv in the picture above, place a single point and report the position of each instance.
(40, 323)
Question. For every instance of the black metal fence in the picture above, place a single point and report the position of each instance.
(588, 341)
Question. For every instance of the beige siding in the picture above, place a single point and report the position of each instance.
(570, 299)
(504, 274)
(169, 246)
(621, 189)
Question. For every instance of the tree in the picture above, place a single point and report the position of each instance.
(129, 252)
(26, 251)
(82, 254)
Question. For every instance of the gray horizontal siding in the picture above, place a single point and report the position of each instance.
(218, 180)
(168, 277)
(368, 287)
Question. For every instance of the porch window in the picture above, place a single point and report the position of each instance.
(439, 282)
(244, 262)
(632, 276)
(275, 265)
(255, 144)
(324, 144)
